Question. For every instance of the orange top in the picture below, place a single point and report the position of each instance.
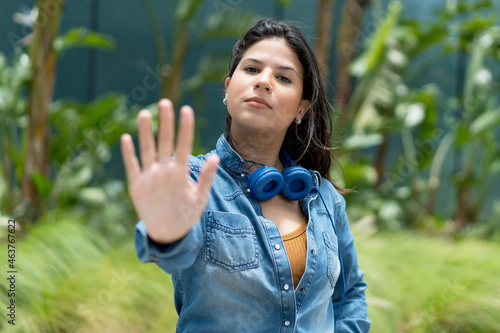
(296, 249)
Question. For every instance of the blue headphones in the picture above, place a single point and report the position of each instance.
(293, 183)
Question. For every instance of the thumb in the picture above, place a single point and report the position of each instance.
(207, 175)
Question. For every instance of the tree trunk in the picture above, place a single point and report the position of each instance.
(324, 36)
(40, 92)
(349, 45)
(173, 87)
(160, 44)
(380, 159)
(462, 213)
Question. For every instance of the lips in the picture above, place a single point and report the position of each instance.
(258, 102)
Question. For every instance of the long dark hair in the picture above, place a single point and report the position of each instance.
(308, 143)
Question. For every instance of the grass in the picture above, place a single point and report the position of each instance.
(71, 280)
(420, 284)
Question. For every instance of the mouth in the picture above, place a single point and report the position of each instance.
(258, 102)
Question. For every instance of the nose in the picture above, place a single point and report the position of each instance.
(264, 82)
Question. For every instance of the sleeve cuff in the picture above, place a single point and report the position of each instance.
(172, 257)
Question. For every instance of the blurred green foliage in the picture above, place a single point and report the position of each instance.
(81, 276)
(402, 138)
(82, 139)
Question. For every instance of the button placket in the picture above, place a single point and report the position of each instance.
(288, 305)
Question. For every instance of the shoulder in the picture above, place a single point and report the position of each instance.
(329, 192)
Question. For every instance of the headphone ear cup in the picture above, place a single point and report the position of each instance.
(265, 183)
(298, 183)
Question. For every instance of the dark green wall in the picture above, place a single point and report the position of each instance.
(134, 58)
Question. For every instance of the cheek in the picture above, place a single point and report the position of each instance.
(234, 91)
(290, 103)
(283, 117)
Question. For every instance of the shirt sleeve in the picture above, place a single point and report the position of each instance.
(353, 316)
(172, 258)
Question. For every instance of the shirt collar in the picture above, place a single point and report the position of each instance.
(234, 163)
(228, 157)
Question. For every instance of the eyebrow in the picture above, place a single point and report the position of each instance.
(286, 68)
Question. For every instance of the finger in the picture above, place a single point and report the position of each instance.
(207, 176)
(130, 161)
(186, 134)
(166, 129)
(146, 139)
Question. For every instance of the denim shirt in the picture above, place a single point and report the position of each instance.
(231, 272)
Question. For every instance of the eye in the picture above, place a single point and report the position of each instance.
(284, 79)
(251, 69)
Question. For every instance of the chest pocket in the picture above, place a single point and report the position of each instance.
(333, 269)
(231, 242)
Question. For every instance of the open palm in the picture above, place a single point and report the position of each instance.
(164, 196)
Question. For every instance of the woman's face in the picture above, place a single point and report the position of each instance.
(265, 91)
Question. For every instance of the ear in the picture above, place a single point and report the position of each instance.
(304, 107)
(226, 83)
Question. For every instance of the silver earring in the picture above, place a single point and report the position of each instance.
(224, 101)
(298, 121)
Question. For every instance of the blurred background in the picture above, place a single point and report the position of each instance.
(415, 88)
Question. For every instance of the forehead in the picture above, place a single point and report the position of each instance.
(274, 52)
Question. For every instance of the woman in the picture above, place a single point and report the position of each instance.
(240, 261)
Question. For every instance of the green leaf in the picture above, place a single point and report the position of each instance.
(363, 140)
(94, 196)
(230, 26)
(3, 185)
(211, 68)
(186, 9)
(390, 212)
(462, 135)
(369, 60)
(368, 118)
(485, 122)
(494, 167)
(83, 37)
(70, 180)
(361, 174)
(411, 114)
(42, 184)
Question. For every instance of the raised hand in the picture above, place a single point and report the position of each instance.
(163, 194)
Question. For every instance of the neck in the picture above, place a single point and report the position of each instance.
(265, 151)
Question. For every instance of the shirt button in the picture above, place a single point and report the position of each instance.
(277, 246)
(248, 190)
(313, 251)
(242, 174)
(287, 323)
(286, 286)
(303, 289)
